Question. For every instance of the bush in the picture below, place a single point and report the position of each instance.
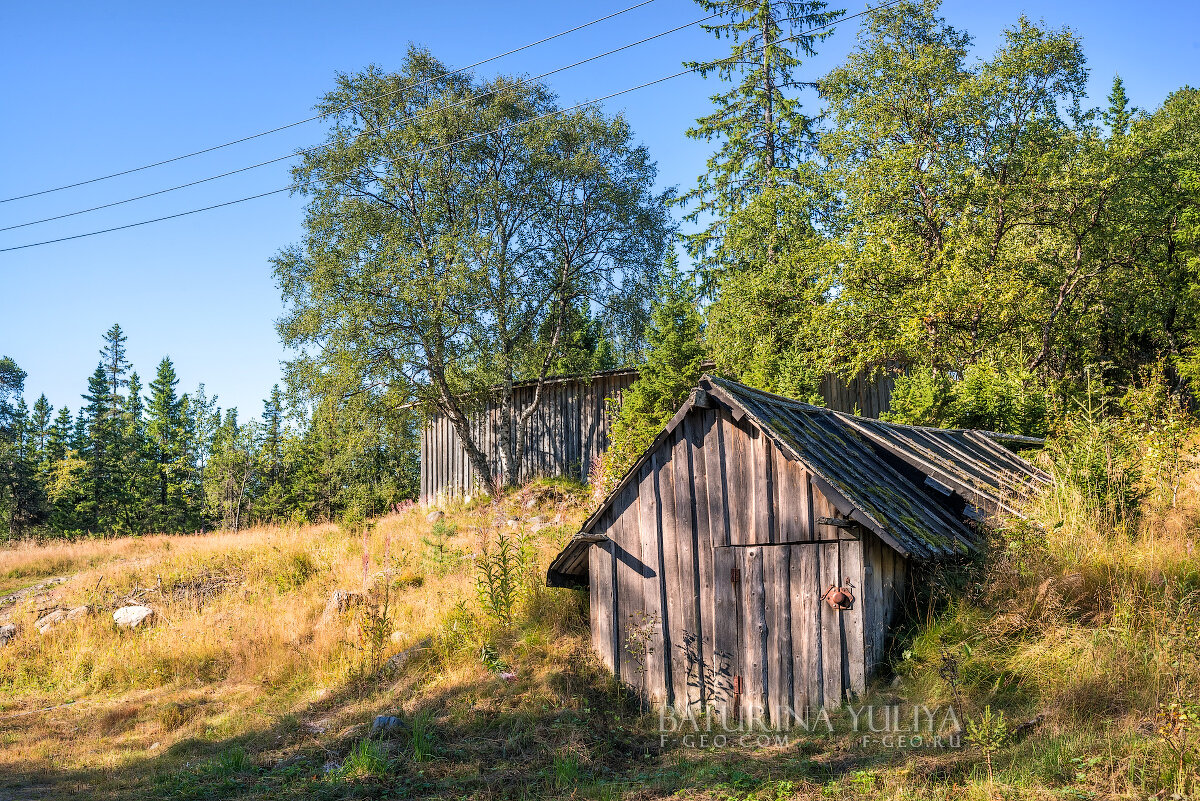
(984, 396)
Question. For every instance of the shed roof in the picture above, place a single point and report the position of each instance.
(865, 467)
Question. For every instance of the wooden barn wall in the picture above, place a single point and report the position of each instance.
(570, 429)
(567, 431)
(862, 396)
(713, 497)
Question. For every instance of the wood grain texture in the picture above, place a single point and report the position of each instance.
(851, 555)
(831, 630)
(727, 647)
(653, 590)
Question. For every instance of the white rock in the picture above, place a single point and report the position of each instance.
(7, 632)
(434, 516)
(78, 612)
(46, 622)
(130, 617)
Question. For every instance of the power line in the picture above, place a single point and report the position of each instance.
(340, 176)
(389, 126)
(319, 116)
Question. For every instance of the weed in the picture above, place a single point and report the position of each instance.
(366, 760)
(501, 576)
(566, 771)
(422, 736)
(232, 762)
(639, 642)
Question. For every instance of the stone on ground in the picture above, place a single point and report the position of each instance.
(130, 617)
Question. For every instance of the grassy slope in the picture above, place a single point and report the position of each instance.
(236, 693)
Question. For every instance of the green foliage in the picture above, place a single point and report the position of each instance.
(502, 576)
(760, 125)
(483, 280)
(439, 556)
(367, 760)
(423, 736)
(988, 732)
(165, 462)
(986, 396)
(672, 367)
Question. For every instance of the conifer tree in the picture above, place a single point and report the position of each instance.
(674, 357)
(272, 504)
(59, 440)
(97, 450)
(762, 129)
(40, 425)
(136, 466)
(167, 451)
(1119, 114)
(20, 493)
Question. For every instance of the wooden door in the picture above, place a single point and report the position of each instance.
(781, 650)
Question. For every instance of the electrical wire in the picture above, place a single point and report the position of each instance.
(389, 126)
(292, 187)
(324, 114)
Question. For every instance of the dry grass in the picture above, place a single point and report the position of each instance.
(237, 692)
(237, 647)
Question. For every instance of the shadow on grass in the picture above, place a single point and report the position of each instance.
(571, 733)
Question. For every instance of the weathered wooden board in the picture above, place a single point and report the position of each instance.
(653, 590)
(674, 612)
(629, 582)
(687, 593)
(726, 632)
(705, 612)
(832, 644)
(600, 566)
(754, 633)
(851, 555)
(806, 627)
(777, 575)
(717, 486)
(739, 453)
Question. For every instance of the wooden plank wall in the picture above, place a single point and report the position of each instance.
(570, 429)
(566, 433)
(862, 396)
(714, 497)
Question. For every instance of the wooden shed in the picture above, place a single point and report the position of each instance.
(570, 428)
(714, 565)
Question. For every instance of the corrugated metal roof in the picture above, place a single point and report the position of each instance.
(869, 466)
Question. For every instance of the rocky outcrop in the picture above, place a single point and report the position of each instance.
(47, 621)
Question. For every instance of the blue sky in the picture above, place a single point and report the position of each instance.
(92, 88)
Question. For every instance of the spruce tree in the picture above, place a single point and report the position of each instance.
(40, 425)
(20, 493)
(167, 450)
(672, 367)
(1119, 114)
(59, 440)
(136, 466)
(115, 367)
(763, 132)
(272, 505)
(97, 451)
